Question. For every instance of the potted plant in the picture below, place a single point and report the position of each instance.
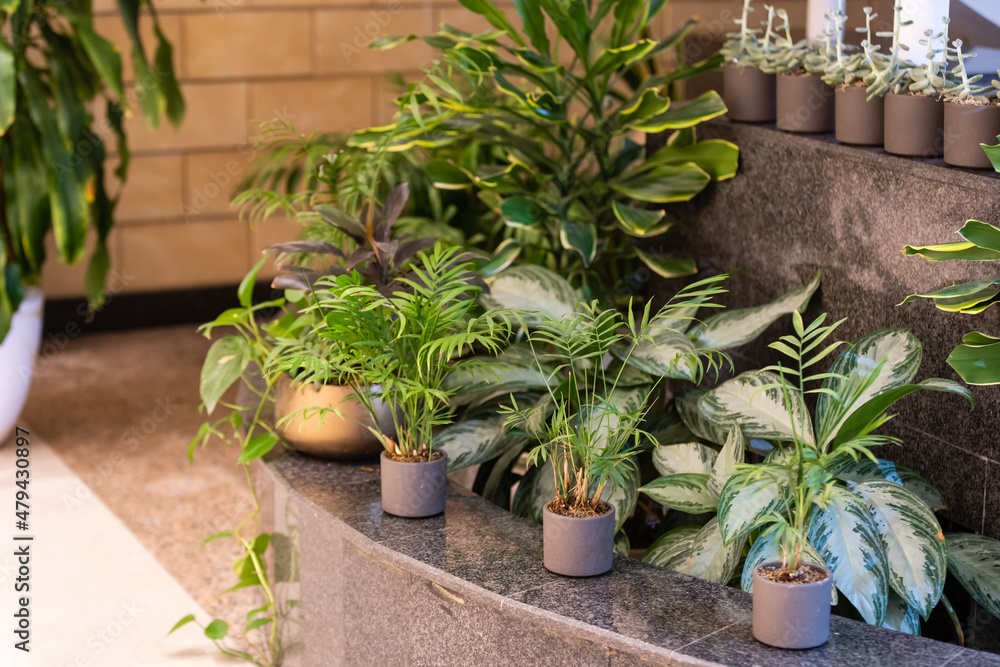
(54, 68)
(914, 107)
(407, 343)
(804, 100)
(820, 495)
(749, 81)
(569, 187)
(860, 112)
(589, 426)
(971, 114)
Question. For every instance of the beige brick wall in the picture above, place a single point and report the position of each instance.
(244, 62)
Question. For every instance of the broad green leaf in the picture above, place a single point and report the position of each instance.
(750, 495)
(951, 298)
(975, 561)
(386, 42)
(169, 89)
(685, 492)
(623, 497)
(671, 550)
(688, 457)
(982, 234)
(667, 267)
(224, 364)
(533, 289)
(258, 446)
(943, 252)
(717, 157)
(768, 549)
(765, 414)
(534, 24)
(519, 211)
(848, 539)
(217, 629)
(496, 17)
(873, 364)
(581, 238)
(696, 421)
(647, 104)
(536, 489)
(900, 616)
(104, 56)
(993, 153)
(914, 543)
(733, 328)
(977, 364)
(639, 222)
(664, 354)
(475, 441)
(245, 291)
(504, 255)
(733, 454)
(664, 184)
(711, 559)
(181, 623)
(8, 83)
(704, 107)
(447, 176)
(612, 59)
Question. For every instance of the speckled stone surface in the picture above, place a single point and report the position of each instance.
(468, 588)
(804, 203)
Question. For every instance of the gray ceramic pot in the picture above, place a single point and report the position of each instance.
(578, 547)
(859, 121)
(749, 94)
(414, 489)
(914, 125)
(965, 128)
(791, 615)
(804, 104)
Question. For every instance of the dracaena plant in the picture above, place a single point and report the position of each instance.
(54, 69)
(588, 422)
(977, 359)
(408, 342)
(821, 494)
(576, 193)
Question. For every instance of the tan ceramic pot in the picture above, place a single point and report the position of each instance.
(333, 437)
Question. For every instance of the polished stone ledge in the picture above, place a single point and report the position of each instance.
(468, 588)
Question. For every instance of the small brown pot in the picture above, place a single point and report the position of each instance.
(860, 121)
(914, 125)
(333, 437)
(965, 128)
(791, 615)
(414, 490)
(804, 104)
(749, 94)
(578, 546)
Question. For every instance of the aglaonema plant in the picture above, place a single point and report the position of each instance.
(575, 192)
(977, 359)
(821, 495)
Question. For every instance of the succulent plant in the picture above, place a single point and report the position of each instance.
(963, 88)
(844, 60)
(894, 75)
(754, 47)
(790, 56)
(930, 78)
(865, 67)
(824, 51)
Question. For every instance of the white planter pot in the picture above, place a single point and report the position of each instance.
(17, 358)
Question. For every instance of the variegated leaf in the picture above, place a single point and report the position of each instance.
(846, 536)
(733, 328)
(511, 371)
(698, 423)
(665, 354)
(750, 495)
(733, 453)
(873, 364)
(679, 320)
(604, 421)
(685, 492)
(918, 559)
(671, 550)
(533, 289)
(623, 497)
(975, 561)
(687, 457)
(769, 414)
(711, 559)
(863, 469)
(536, 489)
(623, 546)
(666, 427)
(900, 616)
(767, 549)
(920, 486)
(474, 441)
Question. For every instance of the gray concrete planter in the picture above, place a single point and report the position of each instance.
(749, 94)
(804, 104)
(965, 128)
(860, 121)
(414, 490)
(914, 125)
(578, 547)
(791, 615)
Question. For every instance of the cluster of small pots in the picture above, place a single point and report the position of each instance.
(904, 124)
(794, 616)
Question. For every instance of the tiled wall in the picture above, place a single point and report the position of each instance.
(244, 62)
